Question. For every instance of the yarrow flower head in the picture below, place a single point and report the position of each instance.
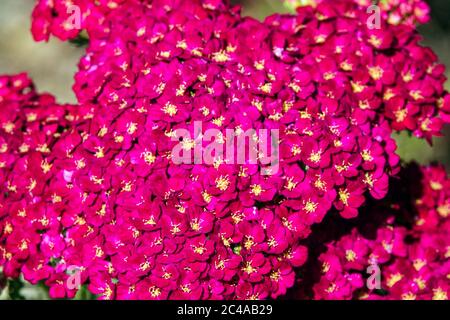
(404, 240)
(395, 12)
(104, 192)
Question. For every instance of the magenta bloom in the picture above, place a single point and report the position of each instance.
(99, 186)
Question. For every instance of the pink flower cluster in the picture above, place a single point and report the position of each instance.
(395, 12)
(406, 238)
(65, 18)
(30, 123)
(100, 192)
(404, 11)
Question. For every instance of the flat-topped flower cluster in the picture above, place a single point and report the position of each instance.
(394, 12)
(405, 238)
(94, 185)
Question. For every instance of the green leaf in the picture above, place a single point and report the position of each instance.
(14, 287)
(82, 40)
(84, 294)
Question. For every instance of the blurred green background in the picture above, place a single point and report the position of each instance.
(53, 64)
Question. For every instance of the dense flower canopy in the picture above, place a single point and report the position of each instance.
(393, 11)
(405, 236)
(95, 186)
